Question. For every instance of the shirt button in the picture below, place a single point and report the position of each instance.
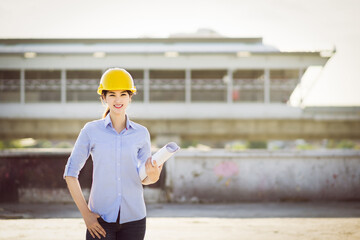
(119, 179)
(119, 194)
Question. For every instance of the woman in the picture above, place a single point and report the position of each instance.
(118, 146)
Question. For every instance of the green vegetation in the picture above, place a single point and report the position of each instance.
(10, 144)
(189, 143)
(257, 144)
(63, 145)
(242, 145)
(299, 144)
(31, 143)
(236, 146)
(342, 144)
(305, 146)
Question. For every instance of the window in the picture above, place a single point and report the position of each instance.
(248, 85)
(42, 86)
(9, 85)
(167, 85)
(208, 86)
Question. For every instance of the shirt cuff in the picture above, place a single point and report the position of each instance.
(67, 173)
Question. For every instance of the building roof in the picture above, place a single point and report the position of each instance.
(182, 45)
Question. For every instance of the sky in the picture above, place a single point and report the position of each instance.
(290, 25)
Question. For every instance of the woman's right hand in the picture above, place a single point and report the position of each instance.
(93, 225)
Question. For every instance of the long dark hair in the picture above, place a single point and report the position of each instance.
(103, 95)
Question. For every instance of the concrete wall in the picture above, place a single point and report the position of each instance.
(36, 175)
(219, 175)
(187, 122)
(198, 176)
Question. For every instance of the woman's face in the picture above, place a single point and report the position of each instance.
(117, 101)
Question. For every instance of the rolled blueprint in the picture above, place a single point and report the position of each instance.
(160, 156)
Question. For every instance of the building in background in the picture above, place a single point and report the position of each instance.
(201, 89)
(204, 89)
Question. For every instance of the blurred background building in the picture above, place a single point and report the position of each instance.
(192, 88)
(203, 91)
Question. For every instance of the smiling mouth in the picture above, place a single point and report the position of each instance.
(118, 106)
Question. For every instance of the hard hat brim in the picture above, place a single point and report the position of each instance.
(99, 91)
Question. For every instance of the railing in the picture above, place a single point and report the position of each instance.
(78, 90)
(283, 83)
(9, 85)
(208, 84)
(167, 84)
(82, 84)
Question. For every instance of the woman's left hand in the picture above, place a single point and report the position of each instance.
(153, 172)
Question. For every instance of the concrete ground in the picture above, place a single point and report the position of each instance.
(284, 220)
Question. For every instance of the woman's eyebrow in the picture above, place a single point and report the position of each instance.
(120, 92)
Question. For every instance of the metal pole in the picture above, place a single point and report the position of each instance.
(146, 86)
(267, 86)
(63, 86)
(187, 85)
(22, 86)
(230, 86)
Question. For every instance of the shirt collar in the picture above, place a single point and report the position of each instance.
(129, 123)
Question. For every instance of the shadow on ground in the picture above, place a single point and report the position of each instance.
(233, 210)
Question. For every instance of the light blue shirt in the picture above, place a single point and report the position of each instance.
(116, 160)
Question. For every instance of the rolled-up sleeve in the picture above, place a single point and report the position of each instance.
(79, 155)
(145, 151)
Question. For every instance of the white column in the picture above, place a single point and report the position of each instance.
(229, 86)
(63, 86)
(301, 73)
(267, 86)
(146, 86)
(188, 85)
(22, 86)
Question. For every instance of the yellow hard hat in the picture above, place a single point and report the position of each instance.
(116, 79)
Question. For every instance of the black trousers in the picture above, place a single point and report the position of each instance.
(127, 231)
